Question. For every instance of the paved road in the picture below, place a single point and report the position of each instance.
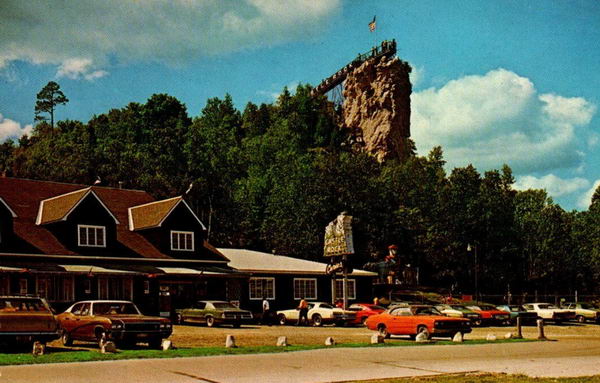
(567, 357)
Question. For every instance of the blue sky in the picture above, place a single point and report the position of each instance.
(495, 82)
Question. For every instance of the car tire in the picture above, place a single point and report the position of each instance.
(66, 339)
(363, 321)
(477, 322)
(317, 320)
(210, 321)
(383, 331)
(423, 330)
(100, 334)
(281, 319)
(580, 319)
(155, 343)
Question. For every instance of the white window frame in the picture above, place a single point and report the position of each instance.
(257, 298)
(298, 296)
(79, 227)
(351, 289)
(178, 232)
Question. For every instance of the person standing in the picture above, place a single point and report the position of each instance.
(303, 314)
(266, 312)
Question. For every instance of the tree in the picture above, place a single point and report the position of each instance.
(47, 99)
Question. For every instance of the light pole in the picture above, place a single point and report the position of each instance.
(476, 270)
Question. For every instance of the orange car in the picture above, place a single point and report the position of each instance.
(120, 321)
(416, 319)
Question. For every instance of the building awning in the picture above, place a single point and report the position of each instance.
(6, 268)
(89, 269)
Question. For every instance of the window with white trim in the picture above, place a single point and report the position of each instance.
(262, 287)
(182, 240)
(91, 236)
(337, 288)
(305, 288)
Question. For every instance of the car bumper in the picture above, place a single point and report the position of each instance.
(27, 336)
(120, 335)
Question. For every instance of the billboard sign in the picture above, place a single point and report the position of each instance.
(338, 237)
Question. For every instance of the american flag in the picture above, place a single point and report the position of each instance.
(372, 25)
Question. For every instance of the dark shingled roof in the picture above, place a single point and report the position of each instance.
(23, 196)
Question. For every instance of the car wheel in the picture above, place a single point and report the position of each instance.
(66, 339)
(100, 335)
(477, 322)
(363, 321)
(383, 331)
(155, 343)
(580, 319)
(423, 330)
(210, 321)
(281, 319)
(317, 320)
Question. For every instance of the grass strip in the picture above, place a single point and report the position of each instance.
(64, 355)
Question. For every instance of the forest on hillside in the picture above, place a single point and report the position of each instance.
(272, 176)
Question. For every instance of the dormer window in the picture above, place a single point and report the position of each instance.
(91, 236)
(182, 240)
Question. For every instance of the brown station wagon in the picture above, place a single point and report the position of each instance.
(119, 321)
(26, 319)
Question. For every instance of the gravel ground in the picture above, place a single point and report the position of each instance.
(257, 335)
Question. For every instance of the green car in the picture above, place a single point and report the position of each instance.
(460, 311)
(214, 313)
(583, 311)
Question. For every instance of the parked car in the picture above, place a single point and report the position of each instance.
(547, 311)
(459, 311)
(518, 311)
(319, 313)
(119, 321)
(583, 311)
(417, 319)
(364, 310)
(490, 314)
(25, 319)
(214, 313)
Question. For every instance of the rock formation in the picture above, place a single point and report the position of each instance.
(376, 106)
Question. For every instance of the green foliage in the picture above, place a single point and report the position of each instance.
(271, 177)
(47, 100)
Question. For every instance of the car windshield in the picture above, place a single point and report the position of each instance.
(375, 307)
(517, 308)
(587, 306)
(487, 308)
(325, 306)
(115, 308)
(22, 304)
(547, 306)
(458, 307)
(224, 306)
(425, 311)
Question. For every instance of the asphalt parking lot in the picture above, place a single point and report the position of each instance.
(258, 335)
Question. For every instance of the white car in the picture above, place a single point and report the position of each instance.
(318, 313)
(547, 311)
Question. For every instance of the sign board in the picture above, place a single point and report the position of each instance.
(338, 237)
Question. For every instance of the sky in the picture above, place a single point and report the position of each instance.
(495, 82)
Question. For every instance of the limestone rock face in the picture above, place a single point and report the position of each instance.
(377, 106)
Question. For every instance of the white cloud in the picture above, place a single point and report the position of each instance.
(416, 75)
(77, 68)
(500, 118)
(555, 186)
(275, 91)
(12, 129)
(167, 31)
(586, 198)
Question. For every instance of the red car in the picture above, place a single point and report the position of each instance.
(364, 310)
(417, 319)
(491, 315)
